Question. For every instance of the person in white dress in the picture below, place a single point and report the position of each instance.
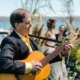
(56, 64)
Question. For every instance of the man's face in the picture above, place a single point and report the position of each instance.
(24, 27)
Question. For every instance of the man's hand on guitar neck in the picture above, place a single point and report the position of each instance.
(67, 48)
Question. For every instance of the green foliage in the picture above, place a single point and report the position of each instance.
(62, 41)
(73, 60)
(75, 50)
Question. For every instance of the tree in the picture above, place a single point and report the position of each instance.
(34, 7)
(67, 8)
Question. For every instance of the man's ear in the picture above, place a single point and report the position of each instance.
(16, 25)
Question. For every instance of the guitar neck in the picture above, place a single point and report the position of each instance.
(52, 55)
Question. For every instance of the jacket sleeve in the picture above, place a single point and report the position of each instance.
(7, 62)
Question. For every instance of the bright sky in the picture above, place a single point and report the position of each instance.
(7, 6)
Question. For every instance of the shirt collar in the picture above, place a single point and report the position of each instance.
(22, 37)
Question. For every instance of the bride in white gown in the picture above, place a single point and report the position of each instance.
(57, 65)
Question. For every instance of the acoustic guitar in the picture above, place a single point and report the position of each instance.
(38, 56)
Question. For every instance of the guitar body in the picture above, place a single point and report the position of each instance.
(40, 75)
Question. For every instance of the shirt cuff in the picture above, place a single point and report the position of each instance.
(28, 67)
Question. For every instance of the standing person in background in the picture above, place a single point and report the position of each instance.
(60, 36)
(51, 23)
(56, 63)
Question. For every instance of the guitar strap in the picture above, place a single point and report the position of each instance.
(17, 77)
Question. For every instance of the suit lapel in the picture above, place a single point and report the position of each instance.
(23, 47)
(33, 44)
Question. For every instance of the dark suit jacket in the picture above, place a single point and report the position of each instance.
(13, 49)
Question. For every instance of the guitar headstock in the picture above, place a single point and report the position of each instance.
(72, 39)
(73, 32)
(75, 37)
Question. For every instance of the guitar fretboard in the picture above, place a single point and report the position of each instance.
(52, 55)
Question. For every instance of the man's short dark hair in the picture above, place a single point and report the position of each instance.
(17, 16)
